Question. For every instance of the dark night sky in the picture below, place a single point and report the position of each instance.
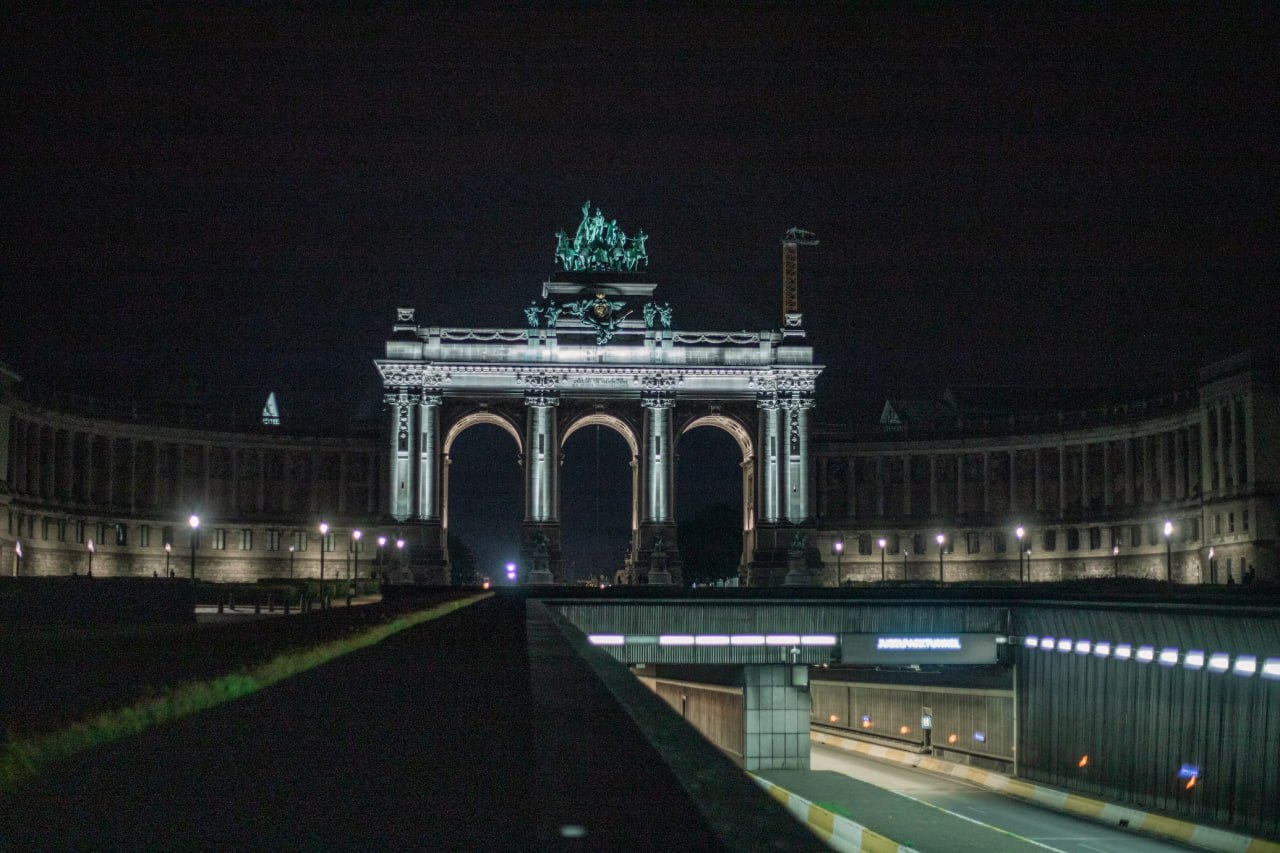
(237, 198)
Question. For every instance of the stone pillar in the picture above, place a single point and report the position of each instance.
(1013, 481)
(1248, 459)
(430, 465)
(1222, 450)
(960, 484)
(133, 476)
(906, 486)
(343, 476)
(1180, 464)
(776, 727)
(1062, 480)
(1039, 481)
(1233, 453)
(880, 486)
(204, 458)
(1106, 473)
(986, 482)
(1129, 489)
(399, 454)
(1084, 476)
(1148, 487)
(768, 442)
(851, 486)
(89, 479)
(260, 500)
(796, 479)
(933, 484)
(540, 532)
(657, 464)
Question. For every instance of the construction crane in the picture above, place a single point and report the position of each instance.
(790, 268)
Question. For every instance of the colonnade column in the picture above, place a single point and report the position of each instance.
(767, 474)
(399, 454)
(541, 530)
(657, 552)
(796, 472)
(430, 466)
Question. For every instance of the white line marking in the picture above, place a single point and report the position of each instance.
(980, 823)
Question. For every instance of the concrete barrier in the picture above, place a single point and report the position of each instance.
(837, 831)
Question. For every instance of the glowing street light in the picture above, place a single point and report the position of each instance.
(17, 557)
(1020, 532)
(168, 550)
(1115, 560)
(1168, 551)
(940, 539)
(382, 543)
(324, 531)
(355, 553)
(194, 521)
(90, 558)
(292, 548)
(837, 548)
(400, 554)
(511, 572)
(882, 543)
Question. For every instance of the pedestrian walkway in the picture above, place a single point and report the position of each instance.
(444, 736)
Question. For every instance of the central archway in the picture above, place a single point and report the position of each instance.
(598, 507)
(480, 507)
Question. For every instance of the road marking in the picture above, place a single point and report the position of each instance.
(980, 823)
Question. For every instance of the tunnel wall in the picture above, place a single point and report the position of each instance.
(1140, 723)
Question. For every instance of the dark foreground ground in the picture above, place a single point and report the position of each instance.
(477, 731)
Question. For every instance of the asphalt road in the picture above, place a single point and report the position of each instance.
(1003, 815)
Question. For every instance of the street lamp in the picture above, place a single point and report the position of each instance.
(882, 544)
(511, 572)
(1020, 532)
(90, 558)
(291, 550)
(1168, 551)
(1115, 560)
(355, 554)
(194, 521)
(17, 557)
(382, 543)
(399, 554)
(940, 539)
(837, 548)
(168, 550)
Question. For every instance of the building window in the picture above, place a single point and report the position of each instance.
(1153, 534)
(122, 535)
(62, 530)
(273, 540)
(974, 542)
(44, 528)
(917, 544)
(1217, 524)
(166, 536)
(1135, 536)
(219, 539)
(246, 540)
(1231, 522)
(102, 532)
(1095, 538)
(1244, 520)
(999, 542)
(10, 522)
(864, 544)
(1117, 536)
(80, 532)
(1193, 529)
(144, 536)
(1073, 539)
(1050, 540)
(329, 541)
(895, 542)
(299, 540)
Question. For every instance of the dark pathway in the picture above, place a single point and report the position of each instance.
(433, 739)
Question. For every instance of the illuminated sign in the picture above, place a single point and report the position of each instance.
(914, 649)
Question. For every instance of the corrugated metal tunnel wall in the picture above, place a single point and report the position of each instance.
(1138, 723)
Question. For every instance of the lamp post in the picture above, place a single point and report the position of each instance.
(837, 548)
(168, 550)
(1115, 560)
(194, 521)
(1213, 568)
(1168, 552)
(940, 539)
(1020, 532)
(882, 544)
(382, 543)
(291, 550)
(511, 572)
(355, 554)
(399, 554)
(17, 557)
(90, 558)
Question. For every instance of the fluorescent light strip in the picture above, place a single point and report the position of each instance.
(1219, 662)
(1146, 654)
(1271, 668)
(1064, 645)
(1046, 642)
(1124, 651)
(1083, 647)
(1194, 659)
(818, 640)
(1102, 648)
(1031, 642)
(711, 640)
(1246, 665)
(675, 640)
(606, 639)
(782, 639)
(1168, 657)
(747, 640)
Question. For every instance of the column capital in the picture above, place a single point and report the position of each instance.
(796, 401)
(541, 389)
(432, 396)
(767, 400)
(657, 400)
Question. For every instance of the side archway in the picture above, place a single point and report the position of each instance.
(456, 429)
(746, 446)
(628, 434)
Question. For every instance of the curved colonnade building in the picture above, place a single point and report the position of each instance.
(1091, 490)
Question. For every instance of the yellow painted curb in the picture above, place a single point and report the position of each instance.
(838, 831)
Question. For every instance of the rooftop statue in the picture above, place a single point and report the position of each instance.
(600, 245)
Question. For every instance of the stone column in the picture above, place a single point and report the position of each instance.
(399, 454)
(1222, 449)
(1148, 487)
(1084, 476)
(133, 476)
(851, 486)
(986, 482)
(542, 454)
(796, 473)
(1062, 480)
(205, 461)
(260, 500)
(1106, 473)
(1233, 434)
(960, 484)
(1039, 481)
(1129, 485)
(768, 473)
(658, 459)
(933, 484)
(906, 485)
(1180, 464)
(1013, 481)
(430, 464)
(880, 486)
(1248, 460)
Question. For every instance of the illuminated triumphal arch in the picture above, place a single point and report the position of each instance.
(597, 348)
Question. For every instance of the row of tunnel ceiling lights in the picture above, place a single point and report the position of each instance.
(1243, 665)
(808, 640)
